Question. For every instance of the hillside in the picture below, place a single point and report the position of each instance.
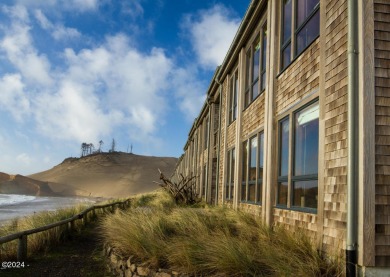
(18, 184)
(106, 174)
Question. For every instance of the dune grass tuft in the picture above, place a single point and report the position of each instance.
(212, 241)
(40, 241)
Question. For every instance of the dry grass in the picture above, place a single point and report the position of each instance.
(212, 241)
(40, 241)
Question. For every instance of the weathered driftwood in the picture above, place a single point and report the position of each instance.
(183, 191)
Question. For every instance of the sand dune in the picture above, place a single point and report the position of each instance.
(18, 184)
(106, 175)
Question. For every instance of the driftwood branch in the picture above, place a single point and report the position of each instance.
(183, 191)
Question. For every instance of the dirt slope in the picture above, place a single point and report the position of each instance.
(18, 184)
(106, 174)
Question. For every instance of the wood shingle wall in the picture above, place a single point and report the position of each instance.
(382, 131)
(298, 81)
(335, 164)
(253, 118)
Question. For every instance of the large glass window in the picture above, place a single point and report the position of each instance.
(255, 69)
(306, 29)
(286, 32)
(284, 134)
(303, 153)
(230, 174)
(263, 57)
(244, 170)
(206, 133)
(260, 169)
(204, 183)
(233, 97)
(252, 169)
(305, 179)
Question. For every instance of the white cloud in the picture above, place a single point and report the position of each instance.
(75, 5)
(83, 4)
(97, 90)
(58, 31)
(134, 82)
(190, 92)
(17, 45)
(211, 32)
(18, 12)
(73, 113)
(43, 21)
(24, 158)
(13, 97)
(132, 8)
(61, 32)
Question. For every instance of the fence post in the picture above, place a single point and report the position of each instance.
(72, 227)
(85, 219)
(22, 249)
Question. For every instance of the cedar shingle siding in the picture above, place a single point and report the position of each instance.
(317, 75)
(382, 131)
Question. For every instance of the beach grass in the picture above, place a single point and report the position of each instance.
(41, 241)
(211, 241)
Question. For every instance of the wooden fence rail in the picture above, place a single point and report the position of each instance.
(22, 236)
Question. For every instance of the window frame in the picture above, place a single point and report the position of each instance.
(258, 182)
(290, 178)
(229, 184)
(249, 80)
(206, 133)
(292, 41)
(234, 88)
(204, 182)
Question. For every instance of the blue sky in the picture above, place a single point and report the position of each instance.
(76, 71)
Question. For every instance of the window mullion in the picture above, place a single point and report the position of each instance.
(230, 174)
(290, 161)
(257, 168)
(248, 156)
(293, 28)
(251, 74)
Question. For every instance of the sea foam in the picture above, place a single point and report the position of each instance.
(12, 199)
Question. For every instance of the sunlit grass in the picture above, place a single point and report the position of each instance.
(212, 241)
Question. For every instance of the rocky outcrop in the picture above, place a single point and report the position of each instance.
(126, 267)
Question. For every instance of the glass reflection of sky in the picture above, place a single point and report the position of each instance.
(306, 141)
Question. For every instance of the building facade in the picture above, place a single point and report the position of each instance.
(296, 124)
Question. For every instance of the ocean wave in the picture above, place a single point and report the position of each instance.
(11, 199)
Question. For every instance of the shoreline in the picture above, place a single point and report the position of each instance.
(13, 211)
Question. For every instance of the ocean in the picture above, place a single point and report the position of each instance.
(13, 206)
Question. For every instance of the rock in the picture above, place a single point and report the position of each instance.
(108, 250)
(163, 274)
(143, 271)
(128, 263)
(128, 273)
(113, 258)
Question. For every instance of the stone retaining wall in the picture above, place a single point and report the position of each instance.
(125, 267)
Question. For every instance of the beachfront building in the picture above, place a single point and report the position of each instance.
(296, 124)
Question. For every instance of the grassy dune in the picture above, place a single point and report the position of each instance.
(212, 241)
